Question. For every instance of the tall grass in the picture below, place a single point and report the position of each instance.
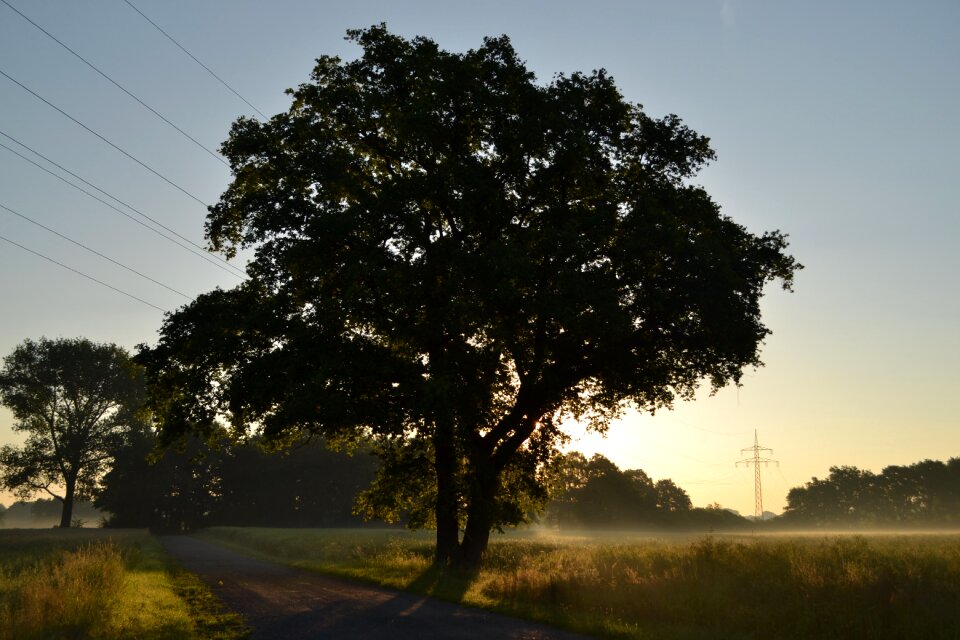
(108, 585)
(713, 587)
(66, 596)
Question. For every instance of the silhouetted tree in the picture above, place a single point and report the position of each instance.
(595, 493)
(942, 482)
(902, 492)
(606, 497)
(171, 491)
(130, 489)
(200, 483)
(926, 492)
(643, 486)
(846, 495)
(670, 497)
(453, 258)
(75, 400)
(310, 485)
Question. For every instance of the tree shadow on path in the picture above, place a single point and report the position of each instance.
(443, 582)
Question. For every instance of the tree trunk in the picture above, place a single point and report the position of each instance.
(445, 466)
(475, 540)
(66, 515)
(480, 514)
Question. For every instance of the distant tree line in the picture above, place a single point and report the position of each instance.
(201, 483)
(595, 493)
(925, 493)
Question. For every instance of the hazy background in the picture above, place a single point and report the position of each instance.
(836, 123)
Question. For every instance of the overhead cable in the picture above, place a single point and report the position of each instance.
(93, 251)
(78, 272)
(129, 155)
(182, 48)
(191, 246)
(116, 84)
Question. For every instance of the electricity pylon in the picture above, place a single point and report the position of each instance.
(755, 461)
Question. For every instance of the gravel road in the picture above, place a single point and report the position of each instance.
(284, 603)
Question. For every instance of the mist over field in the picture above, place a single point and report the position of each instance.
(45, 513)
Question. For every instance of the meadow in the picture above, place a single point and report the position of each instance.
(102, 584)
(689, 588)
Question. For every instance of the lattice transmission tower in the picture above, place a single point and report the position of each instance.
(756, 460)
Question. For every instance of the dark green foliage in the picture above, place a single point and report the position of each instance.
(596, 494)
(76, 401)
(307, 486)
(671, 498)
(172, 492)
(199, 484)
(925, 493)
(452, 257)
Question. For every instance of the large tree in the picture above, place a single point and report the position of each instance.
(75, 400)
(453, 258)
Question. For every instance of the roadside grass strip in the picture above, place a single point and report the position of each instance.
(104, 585)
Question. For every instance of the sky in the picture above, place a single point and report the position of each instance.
(835, 123)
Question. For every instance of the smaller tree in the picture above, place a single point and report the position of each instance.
(670, 497)
(596, 493)
(75, 400)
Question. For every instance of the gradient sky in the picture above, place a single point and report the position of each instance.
(833, 122)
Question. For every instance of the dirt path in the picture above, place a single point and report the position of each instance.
(281, 602)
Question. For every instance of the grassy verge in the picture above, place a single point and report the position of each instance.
(714, 587)
(82, 583)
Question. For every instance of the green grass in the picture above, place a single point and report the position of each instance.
(101, 584)
(783, 586)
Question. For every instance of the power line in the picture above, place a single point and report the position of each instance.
(682, 455)
(718, 480)
(117, 84)
(693, 426)
(190, 246)
(93, 251)
(100, 282)
(138, 161)
(198, 250)
(208, 70)
(193, 246)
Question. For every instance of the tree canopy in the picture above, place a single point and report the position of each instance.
(75, 400)
(454, 259)
(596, 494)
(924, 493)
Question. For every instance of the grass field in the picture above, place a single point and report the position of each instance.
(783, 586)
(104, 584)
